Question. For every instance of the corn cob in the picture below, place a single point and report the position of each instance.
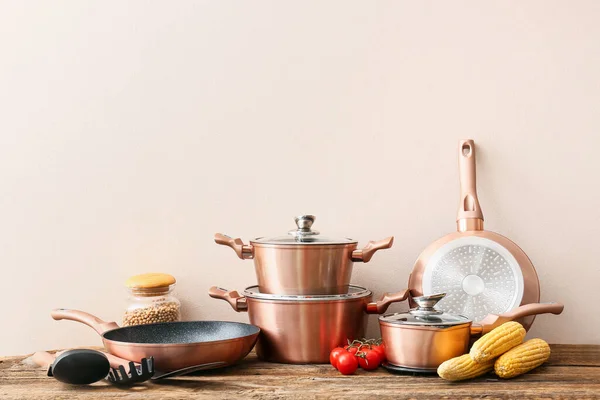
(522, 358)
(463, 367)
(497, 342)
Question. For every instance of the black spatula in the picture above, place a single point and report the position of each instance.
(75, 367)
(136, 374)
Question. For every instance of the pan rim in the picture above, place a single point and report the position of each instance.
(189, 344)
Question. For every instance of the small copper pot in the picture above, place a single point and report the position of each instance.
(304, 329)
(424, 337)
(303, 262)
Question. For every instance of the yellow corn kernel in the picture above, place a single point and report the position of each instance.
(522, 358)
(497, 342)
(463, 367)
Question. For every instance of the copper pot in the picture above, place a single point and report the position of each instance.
(425, 337)
(303, 262)
(303, 329)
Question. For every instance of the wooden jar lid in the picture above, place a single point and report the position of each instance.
(149, 281)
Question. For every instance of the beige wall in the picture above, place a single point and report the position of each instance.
(131, 132)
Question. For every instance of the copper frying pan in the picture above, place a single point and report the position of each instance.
(482, 272)
(174, 345)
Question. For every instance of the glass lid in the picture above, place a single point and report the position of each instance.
(425, 314)
(303, 235)
(354, 292)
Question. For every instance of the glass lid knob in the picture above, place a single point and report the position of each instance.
(304, 223)
(428, 301)
(426, 305)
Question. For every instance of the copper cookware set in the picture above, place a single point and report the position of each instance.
(305, 305)
(461, 286)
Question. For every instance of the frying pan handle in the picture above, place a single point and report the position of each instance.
(469, 215)
(95, 323)
(492, 321)
(386, 300)
(534, 309)
(235, 300)
(366, 253)
(43, 358)
(244, 251)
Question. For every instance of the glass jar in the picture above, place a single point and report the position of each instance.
(150, 300)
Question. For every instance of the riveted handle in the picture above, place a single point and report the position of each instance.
(381, 306)
(469, 208)
(235, 300)
(366, 253)
(244, 251)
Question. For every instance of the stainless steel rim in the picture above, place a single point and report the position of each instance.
(262, 242)
(354, 292)
(387, 318)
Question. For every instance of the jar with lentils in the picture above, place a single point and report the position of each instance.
(150, 300)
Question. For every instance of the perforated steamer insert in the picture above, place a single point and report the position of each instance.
(482, 272)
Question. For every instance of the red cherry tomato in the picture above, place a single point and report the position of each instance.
(352, 350)
(380, 348)
(347, 363)
(369, 359)
(335, 353)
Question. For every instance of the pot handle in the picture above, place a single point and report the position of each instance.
(386, 300)
(95, 323)
(492, 321)
(235, 300)
(469, 208)
(366, 253)
(244, 251)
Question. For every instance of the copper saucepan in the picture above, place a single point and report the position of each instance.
(174, 345)
(303, 262)
(425, 337)
(303, 329)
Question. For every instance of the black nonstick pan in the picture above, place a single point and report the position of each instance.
(174, 345)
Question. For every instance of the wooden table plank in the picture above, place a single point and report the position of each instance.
(573, 371)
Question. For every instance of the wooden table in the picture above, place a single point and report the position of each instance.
(573, 371)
